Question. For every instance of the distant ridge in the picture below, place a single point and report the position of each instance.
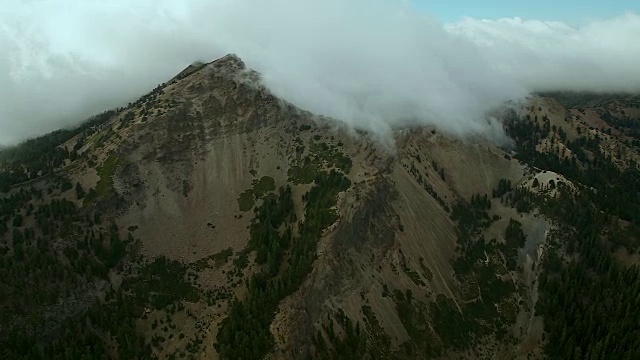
(586, 99)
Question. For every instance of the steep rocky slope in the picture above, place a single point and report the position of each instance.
(210, 219)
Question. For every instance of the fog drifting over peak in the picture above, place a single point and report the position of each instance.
(374, 63)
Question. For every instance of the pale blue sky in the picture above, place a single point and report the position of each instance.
(570, 11)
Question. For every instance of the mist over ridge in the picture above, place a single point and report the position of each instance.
(373, 64)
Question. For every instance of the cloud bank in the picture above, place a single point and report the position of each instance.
(372, 63)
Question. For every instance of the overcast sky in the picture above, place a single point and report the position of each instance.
(574, 12)
(372, 63)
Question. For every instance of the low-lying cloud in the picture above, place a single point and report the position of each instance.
(374, 64)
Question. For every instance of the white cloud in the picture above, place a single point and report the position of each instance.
(600, 56)
(372, 63)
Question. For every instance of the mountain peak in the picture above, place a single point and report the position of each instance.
(229, 61)
(228, 65)
(231, 66)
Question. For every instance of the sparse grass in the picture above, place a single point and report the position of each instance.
(104, 187)
(321, 157)
(97, 139)
(332, 155)
(304, 174)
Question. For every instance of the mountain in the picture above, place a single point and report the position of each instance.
(211, 219)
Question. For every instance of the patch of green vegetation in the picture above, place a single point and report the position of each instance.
(332, 155)
(426, 272)
(271, 239)
(508, 309)
(186, 187)
(514, 239)
(222, 257)
(321, 157)
(351, 343)
(216, 260)
(98, 139)
(413, 275)
(263, 186)
(380, 341)
(240, 263)
(160, 284)
(156, 284)
(305, 127)
(303, 174)
(478, 262)
(455, 329)
(193, 347)
(104, 187)
(427, 186)
(469, 289)
(245, 201)
(414, 316)
(65, 185)
(504, 186)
